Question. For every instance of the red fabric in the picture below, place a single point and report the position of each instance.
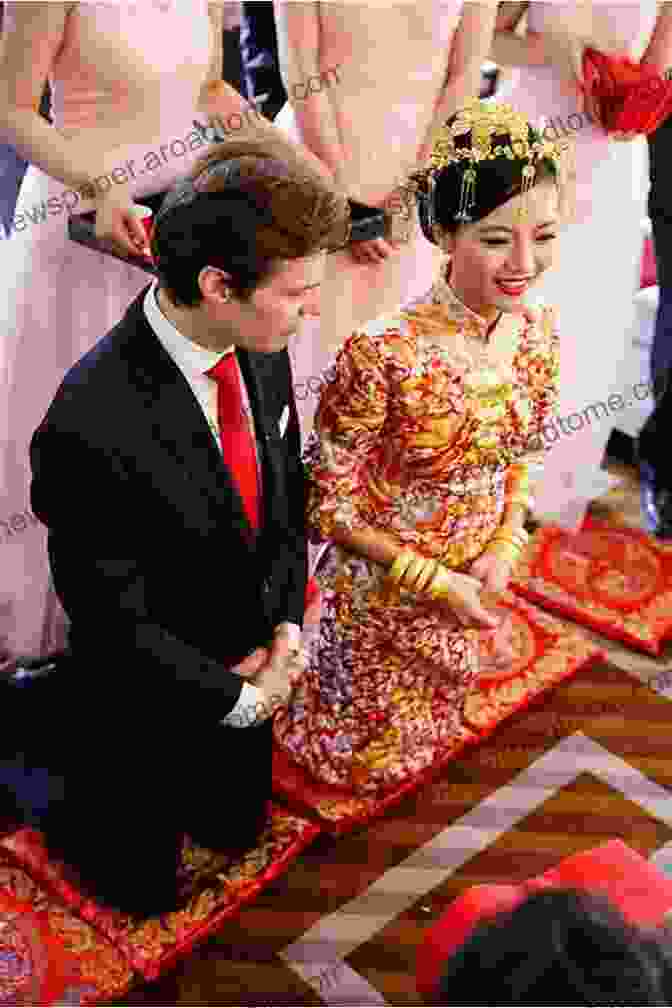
(613, 579)
(640, 891)
(455, 926)
(631, 98)
(535, 635)
(237, 441)
(153, 946)
(648, 272)
(48, 956)
(34, 967)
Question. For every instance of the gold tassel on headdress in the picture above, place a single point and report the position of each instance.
(487, 124)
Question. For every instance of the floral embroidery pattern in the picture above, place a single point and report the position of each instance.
(424, 413)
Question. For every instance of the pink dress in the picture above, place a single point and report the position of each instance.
(392, 63)
(126, 80)
(596, 275)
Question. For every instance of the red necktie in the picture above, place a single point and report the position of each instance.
(238, 448)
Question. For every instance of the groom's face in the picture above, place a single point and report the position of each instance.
(270, 317)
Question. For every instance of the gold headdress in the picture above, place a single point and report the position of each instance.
(495, 131)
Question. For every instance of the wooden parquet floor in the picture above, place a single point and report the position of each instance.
(591, 761)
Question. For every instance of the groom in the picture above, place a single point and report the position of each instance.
(167, 471)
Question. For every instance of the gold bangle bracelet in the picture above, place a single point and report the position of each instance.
(400, 565)
(427, 575)
(505, 541)
(517, 500)
(503, 552)
(516, 532)
(415, 569)
(439, 586)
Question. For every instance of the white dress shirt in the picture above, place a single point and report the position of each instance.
(193, 361)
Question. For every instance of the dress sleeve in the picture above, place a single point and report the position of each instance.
(544, 388)
(544, 378)
(346, 440)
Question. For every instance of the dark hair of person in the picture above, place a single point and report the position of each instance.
(243, 207)
(498, 180)
(558, 947)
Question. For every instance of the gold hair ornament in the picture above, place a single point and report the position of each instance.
(487, 124)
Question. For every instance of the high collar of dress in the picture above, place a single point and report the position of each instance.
(443, 293)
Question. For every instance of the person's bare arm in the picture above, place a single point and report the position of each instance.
(32, 36)
(219, 100)
(659, 49)
(298, 28)
(512, 47)
(469, 51)
(33, 33)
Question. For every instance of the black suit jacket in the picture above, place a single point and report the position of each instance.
(152, 555)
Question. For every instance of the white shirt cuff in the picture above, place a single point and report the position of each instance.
(251, 706)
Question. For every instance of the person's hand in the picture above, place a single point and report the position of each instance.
(497, 650)
(462, 599)
(492, 571)
(564, 52)
(372, 252)
(117, 224)
(250, 666)
(624, 137)
(282, 670)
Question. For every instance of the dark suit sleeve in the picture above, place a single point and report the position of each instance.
(299, 546)
(84, 499)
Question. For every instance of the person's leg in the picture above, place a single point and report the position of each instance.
(229, 795)
(652, 450)
(661, 352)
(117, 819)
(117, 830)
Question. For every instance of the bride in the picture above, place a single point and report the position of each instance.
(418, 466)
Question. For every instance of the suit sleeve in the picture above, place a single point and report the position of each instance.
(80, 496)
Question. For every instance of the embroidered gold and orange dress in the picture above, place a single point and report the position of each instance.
(424, 424)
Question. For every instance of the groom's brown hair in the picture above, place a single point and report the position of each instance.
(244, 206)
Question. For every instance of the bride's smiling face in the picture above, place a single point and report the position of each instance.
(497, 259)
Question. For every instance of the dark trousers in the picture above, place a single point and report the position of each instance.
(261, 64)
(115, 796)
(653, 441)
(661, 354)
(12, 170)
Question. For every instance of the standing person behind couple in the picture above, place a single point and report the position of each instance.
(403, 70)
(180, 554)
(597, 277)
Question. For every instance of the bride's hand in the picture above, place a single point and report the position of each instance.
(117, 224)
(492, 571)
(463, 601)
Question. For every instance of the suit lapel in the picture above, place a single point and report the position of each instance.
(262, 388)
(176, 421)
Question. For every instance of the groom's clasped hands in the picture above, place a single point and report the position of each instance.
(275, 670)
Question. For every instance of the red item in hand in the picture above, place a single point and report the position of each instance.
(631, 98)
(312, 591)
